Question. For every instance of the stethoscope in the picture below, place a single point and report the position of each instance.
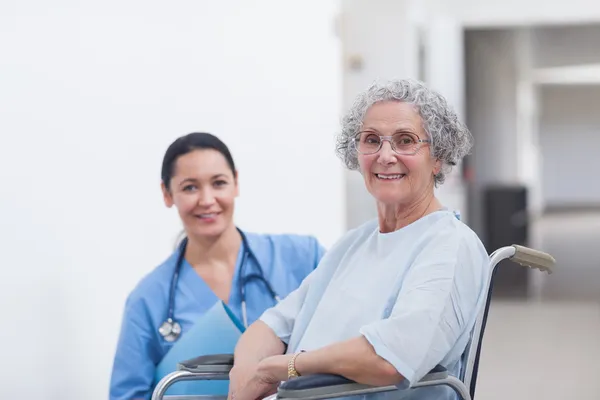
(170, 330)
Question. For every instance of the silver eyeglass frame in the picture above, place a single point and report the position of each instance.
(418, 145)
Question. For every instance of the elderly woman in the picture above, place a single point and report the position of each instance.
(398, 295)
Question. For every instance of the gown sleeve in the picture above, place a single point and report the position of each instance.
(436, 307)
(281, 317)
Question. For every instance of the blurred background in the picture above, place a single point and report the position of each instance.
(92, 93)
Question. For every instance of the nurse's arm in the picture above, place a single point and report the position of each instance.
(136, 356)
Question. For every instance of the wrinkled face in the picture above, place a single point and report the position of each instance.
(392, 178)
(203, 188)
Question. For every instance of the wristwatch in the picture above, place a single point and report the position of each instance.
(292, 372)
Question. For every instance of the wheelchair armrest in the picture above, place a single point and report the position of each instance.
(211, 367)
(315, 382)
(214, 363)
(320, 386)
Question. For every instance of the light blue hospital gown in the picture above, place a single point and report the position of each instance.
(413, 294)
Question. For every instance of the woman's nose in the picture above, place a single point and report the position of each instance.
(387, 156)
(206, 198)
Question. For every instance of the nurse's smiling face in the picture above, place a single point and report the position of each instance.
(203, 188)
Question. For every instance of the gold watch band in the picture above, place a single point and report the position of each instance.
(292, 372)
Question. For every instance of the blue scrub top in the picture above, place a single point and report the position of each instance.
(286, 261)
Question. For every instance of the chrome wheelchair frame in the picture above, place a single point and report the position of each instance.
(325, 386)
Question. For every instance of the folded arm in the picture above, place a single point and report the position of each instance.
(266, 339)
(257, 343)
(354, 359)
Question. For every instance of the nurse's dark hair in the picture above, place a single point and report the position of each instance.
(188, 143)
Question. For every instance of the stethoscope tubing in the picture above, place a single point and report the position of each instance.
(173, 329)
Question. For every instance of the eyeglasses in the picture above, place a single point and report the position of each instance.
(402, 143)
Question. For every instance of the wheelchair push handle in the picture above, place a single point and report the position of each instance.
(533, 258)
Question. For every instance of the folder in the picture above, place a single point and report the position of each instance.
(216, 332)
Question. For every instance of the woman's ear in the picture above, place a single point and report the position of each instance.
(237, 183)
(168, 199)
(437, 166)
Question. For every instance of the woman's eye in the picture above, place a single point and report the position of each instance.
(372, 139)
(405, 140)
(189, 188)
(220, 183)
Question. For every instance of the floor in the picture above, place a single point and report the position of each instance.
(541, 350)
(549, 347)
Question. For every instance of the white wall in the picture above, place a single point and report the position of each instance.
(444, 45)
(570, 139)
(389, 51)
(92, 94)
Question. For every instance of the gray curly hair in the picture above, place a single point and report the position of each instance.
(450, 138)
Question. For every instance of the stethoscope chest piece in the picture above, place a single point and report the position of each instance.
(170, 330)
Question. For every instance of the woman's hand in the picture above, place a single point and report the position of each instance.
(239, 376)
(258, 381)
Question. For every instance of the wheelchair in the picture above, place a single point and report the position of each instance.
(325, 386)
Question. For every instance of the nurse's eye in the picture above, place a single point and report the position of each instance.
(190, 188)
(220, 183)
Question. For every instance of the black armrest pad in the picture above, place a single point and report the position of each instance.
(213, 360)
(326, 380)
(314, 382)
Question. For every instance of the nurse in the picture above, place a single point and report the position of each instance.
(216, 263)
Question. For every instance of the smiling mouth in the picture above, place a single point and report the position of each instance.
(206, 216)
(390, 177)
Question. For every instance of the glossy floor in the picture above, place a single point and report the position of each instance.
(549, 348)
